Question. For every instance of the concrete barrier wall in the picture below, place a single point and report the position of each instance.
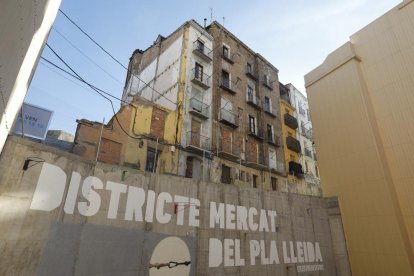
(116, 241)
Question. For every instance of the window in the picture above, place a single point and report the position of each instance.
(189, 168)
(200, 46)
(266, 79)
(254, 181)
(273, 182)
(252, 124)
(267, 104)
(272, 159)
(225, 175)
(242, 176)
(226, 52)
(270, 136)
(225, 79)
(152, 158)
(198, 73)
(249, 68)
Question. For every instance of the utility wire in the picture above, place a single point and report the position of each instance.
(116, 60)
(95, 89)
(85, 55)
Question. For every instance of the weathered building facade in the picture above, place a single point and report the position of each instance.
(304, 135)
(246, 128)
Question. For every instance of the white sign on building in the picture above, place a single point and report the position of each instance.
(35, 120)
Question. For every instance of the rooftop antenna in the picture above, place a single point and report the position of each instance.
(224, 19)
(211, 15)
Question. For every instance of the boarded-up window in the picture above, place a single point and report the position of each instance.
(158, 122)
(109, 151)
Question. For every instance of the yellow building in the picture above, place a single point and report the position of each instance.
(292, 147)
(362, 103)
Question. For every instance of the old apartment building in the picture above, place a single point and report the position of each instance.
(304, 135)
(246, 128)
(201, 104)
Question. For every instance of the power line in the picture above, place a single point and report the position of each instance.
(116, 60)
(86, 56)
(95, 89)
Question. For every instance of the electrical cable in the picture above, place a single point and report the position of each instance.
(116, 60)
(85, 55)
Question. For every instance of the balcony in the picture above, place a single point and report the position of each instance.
(273, 140)
(269, 110)
(202, 51)
(199, 109)
(290, 121)
(295, 169)
(307, 132)
(197, 143)
(199, 78)
(253, 100)
(267, 83)
(308, 153)
(227, 58)
(229, 118)
(229, 86)
(258, 161)
(257, 133)
(229, 150)
(277, 167)
(250, 73)
(293, 144)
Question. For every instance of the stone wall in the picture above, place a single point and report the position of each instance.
(62, 215)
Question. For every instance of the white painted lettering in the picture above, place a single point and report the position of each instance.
(91, 196)
(254, 251)
(215, 252)
(50, 188)
(116, 190)
(160, 214)
(228, 252)
(134, 204)
(73, 191)
(194, 212)
(149, 210)
(216, 215)
(230, 216)
(252, 212)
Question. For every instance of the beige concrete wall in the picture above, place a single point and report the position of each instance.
(57, 242)
(362, 108)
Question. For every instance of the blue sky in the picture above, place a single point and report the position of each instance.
(295, 36)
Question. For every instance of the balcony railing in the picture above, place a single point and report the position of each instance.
(229, 149)
(196, 141)
(277, 166)
(295, 169)
(253, 100)
(250, 73)
(227, 58)
(306, 132)
(198, 108)
(308, 153)
(257, 133)
(293, 144)
(202, 51)
(229, 118)
(302, 111)
(268, 83)
(200, 78)
(269, 109)
(228, 85)
(285, 97)
(290, 121)
(273, 140)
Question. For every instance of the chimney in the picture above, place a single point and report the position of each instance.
(205, 22)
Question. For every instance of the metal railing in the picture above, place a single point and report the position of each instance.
(199, 106)
(250, 72)
(258, 132)
(228, 85)
(199, 47)
(201, 78)
(268, 108)
(273, 139)
(253, 99)
(229, 117)
(267, 83)
(293, 144)
(290, 121)
(308, 153)
(195, 139)
(227, 146)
